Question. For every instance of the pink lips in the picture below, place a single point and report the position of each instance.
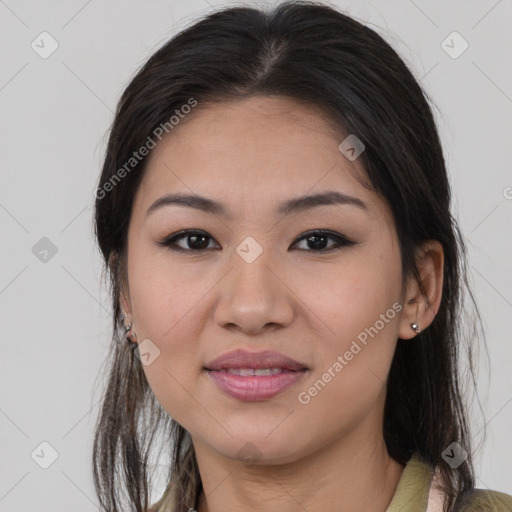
(274, 372)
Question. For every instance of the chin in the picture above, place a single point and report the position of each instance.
(253, 449)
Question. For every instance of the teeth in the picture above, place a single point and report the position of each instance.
(251, 371)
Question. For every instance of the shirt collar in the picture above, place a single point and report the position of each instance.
(413, 488)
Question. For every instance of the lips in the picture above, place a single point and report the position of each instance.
(254, 376)
(243, 359)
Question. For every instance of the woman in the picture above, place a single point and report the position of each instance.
(274, 215)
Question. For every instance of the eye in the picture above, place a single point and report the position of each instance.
(196, 241)
(318, 239)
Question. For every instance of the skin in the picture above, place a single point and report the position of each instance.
(310, 305)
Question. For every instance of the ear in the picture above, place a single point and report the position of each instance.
(421, 306)
(124, 294)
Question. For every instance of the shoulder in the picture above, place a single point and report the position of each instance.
(485, 500)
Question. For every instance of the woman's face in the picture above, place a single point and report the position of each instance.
(251, 280)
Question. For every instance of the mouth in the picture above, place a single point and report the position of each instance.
(259, 372)
(254, 376)
(242, 360)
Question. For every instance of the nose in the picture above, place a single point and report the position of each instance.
(254, 297)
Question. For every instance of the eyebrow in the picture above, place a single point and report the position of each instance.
(295, 205)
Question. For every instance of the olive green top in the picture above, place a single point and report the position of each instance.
(411, 495)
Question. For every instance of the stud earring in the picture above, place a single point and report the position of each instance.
(415, 327)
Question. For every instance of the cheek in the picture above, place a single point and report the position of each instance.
(164, 295)
(168, 310)
(352, 296)
(360, 311)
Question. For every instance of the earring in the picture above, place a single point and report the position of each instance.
(127, 330)
(415, 327)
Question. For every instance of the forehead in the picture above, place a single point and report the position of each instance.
(251, 152)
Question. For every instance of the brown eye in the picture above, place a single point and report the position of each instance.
(317, 240)
(193, 241)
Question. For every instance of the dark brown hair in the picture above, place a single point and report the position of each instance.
(315, 54)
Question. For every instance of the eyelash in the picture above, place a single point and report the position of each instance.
(342, 241)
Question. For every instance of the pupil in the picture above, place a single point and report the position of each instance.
(194, 239)
(317, 245)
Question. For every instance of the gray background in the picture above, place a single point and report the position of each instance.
(55, 112)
